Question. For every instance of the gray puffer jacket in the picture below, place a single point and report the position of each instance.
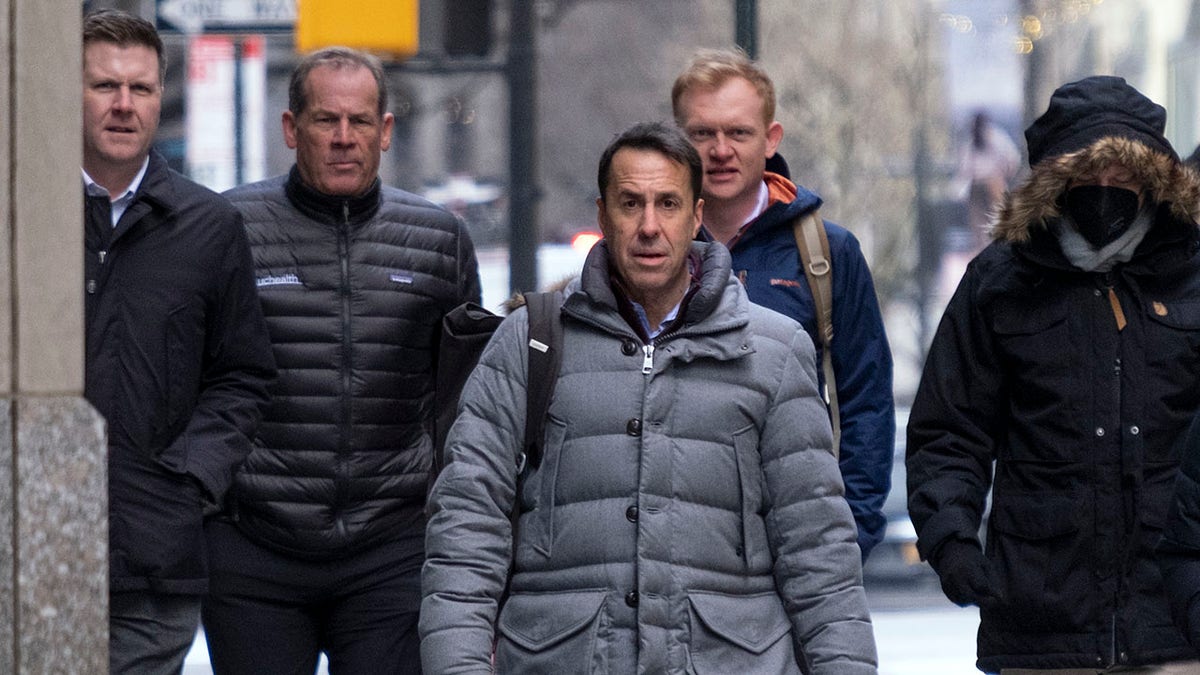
(687, 515)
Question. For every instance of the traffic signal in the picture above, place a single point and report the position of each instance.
(388, 26)
(468, 28)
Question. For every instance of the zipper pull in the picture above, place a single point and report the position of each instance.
(103, 255)
(1118, 313)
(648, 361)
(346, 213)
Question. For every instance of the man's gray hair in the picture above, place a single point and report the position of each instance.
(336, 58)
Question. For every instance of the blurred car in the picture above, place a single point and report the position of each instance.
(895, 559)
(480, 205)
(556, 263)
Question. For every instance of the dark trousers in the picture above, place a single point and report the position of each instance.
(269, 613)
(150, 633)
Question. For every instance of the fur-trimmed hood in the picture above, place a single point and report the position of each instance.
(517, 300)
(1036, 201)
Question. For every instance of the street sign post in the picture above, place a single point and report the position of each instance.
(226, 16)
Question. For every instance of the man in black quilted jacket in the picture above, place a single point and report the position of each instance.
(321, 545)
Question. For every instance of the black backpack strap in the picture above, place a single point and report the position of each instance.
(545, 357)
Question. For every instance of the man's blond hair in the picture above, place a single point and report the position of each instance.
(711, 68)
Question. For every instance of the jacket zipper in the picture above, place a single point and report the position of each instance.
(1119, 315)
(648, 350)
(648, 361)
(347, 368)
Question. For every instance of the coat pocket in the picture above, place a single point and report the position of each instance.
(184, 341)
(537, 526)
(1044, 563)
(552, 633)
(183, 354)
(1029, 336)
(753, 548)
(740, 634)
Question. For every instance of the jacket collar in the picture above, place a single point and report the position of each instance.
(155, 194)
(1169, 243)
(786, 202)
(329, 208)
(157, 187)
(714, 306)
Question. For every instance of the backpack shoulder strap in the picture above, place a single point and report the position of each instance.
(816, 260)
(545, 357)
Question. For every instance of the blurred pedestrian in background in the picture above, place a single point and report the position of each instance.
(1067, 365)
(987, 163)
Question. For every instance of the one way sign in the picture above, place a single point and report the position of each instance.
(226, 16)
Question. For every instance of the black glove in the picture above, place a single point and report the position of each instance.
(967, 576)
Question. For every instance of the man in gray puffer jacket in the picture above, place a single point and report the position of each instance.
(687, 514)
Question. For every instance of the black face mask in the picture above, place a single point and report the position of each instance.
(1101, 213)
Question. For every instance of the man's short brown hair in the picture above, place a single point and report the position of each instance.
(711, 68)
(124, 30)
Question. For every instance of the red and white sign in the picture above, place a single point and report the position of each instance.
(211, 112)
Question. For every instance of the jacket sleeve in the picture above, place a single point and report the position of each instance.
(950, 445)
(862, 364)
(237, 369)
(468, 542)
(818, 569)
(1179, 551)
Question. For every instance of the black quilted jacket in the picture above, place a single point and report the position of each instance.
(354, 290)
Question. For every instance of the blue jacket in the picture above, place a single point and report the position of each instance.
(765, 258)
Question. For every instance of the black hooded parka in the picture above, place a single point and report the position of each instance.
(1076, 388)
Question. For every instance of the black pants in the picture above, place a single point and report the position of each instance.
(269, 613)
(150, 633)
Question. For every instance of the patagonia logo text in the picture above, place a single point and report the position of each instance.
(278, 280)
(789, 283)
(401, 278)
